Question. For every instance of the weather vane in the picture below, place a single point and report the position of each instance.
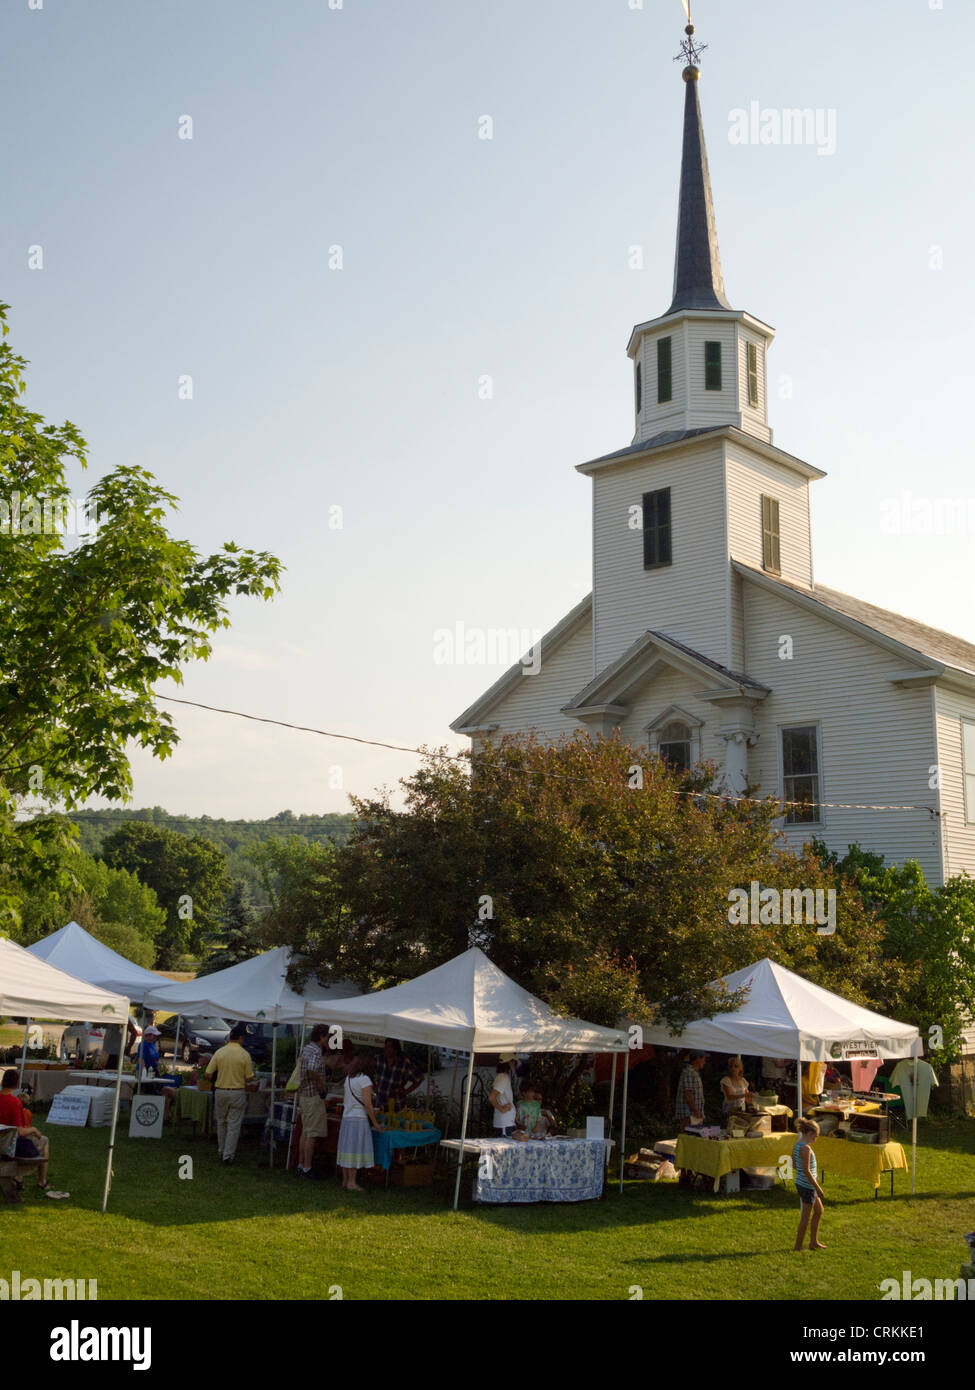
(690, 52)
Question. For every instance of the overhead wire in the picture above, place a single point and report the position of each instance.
(459, 757)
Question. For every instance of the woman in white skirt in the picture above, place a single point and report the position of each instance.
(358, 1121)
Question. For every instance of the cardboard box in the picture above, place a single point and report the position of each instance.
(411, 1174)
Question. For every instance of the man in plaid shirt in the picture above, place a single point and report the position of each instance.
(396, 1076)
(690, 1092)
(312, 1067)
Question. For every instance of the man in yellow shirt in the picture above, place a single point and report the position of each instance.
(233, 1073)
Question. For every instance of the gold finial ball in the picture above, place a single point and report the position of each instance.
(689, 29)
(692, 74)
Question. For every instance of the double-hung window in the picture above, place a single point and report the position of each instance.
(801, 774)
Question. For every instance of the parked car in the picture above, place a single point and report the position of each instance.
(92, 1035)
(199, 1033)
(258, 1039)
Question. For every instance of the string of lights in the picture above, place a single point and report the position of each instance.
(460, 757)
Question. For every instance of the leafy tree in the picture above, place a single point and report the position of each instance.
(930, 932)
(236, 940)
(591, 872)
(87, 632)
(188, 876)
(307, 910)
(110, 903)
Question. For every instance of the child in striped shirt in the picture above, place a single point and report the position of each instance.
(807, 1185)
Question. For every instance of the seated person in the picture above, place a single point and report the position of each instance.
(531, 1120)
(31, 1143)
(149, 1050)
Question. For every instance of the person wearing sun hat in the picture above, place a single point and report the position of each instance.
(502, 1097)
(149, 1050)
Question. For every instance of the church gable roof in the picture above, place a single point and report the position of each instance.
(475, 716)
(673, 438)
(920, 640)
(639, 659)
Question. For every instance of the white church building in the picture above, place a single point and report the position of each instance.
(706, 636)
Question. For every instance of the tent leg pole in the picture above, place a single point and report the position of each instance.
(111, 1137)
(612, 1096)
(626, 1086)
(294, 1108)
(429, 1078)
(179, 1020)
(914, 1133)
(799, 1088)
(23, 1055)
(463, 1127)
(450, 1107)
(274, 1063)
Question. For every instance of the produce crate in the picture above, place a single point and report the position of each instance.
(411, 1175)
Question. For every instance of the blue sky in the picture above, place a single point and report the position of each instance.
(357, 388)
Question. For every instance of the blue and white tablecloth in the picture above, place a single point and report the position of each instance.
(549, 1170)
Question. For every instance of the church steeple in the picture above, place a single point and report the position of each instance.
(702, 364)
(698, 282)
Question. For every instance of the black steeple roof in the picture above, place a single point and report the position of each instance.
(698, 282)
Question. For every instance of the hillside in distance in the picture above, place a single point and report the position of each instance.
(234, 837)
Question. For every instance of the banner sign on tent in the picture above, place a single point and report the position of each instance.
(146, 1120)
(69, 1110)
(859, 1051)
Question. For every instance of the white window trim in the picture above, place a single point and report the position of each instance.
(802, 724)
(674, 714)
(967, 772)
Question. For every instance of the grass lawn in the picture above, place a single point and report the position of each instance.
(164, 1237)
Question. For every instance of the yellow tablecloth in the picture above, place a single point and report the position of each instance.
(719, 1156)
(198, 1105)
(194, 1105)
(866, 1161)
(715, 1157)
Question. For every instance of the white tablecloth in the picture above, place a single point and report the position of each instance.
(549, 1170)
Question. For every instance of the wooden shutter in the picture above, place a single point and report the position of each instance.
(639, 387)
(753, 374)
(656, 528)
(712, 366)
(770, 534)
(665, 373)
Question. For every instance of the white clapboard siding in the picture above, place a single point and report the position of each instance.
(658, 418)
(958, 833)
(736, 599)
(672, 687)
(535, 702)
(687, 600)
(711, 407)
(877, 740)
(749, 477)
(754, 419)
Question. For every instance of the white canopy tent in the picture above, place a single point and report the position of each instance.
(35, 989)
(787, 1016)
(77, 952)
(471, 1005)
(254, 991)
